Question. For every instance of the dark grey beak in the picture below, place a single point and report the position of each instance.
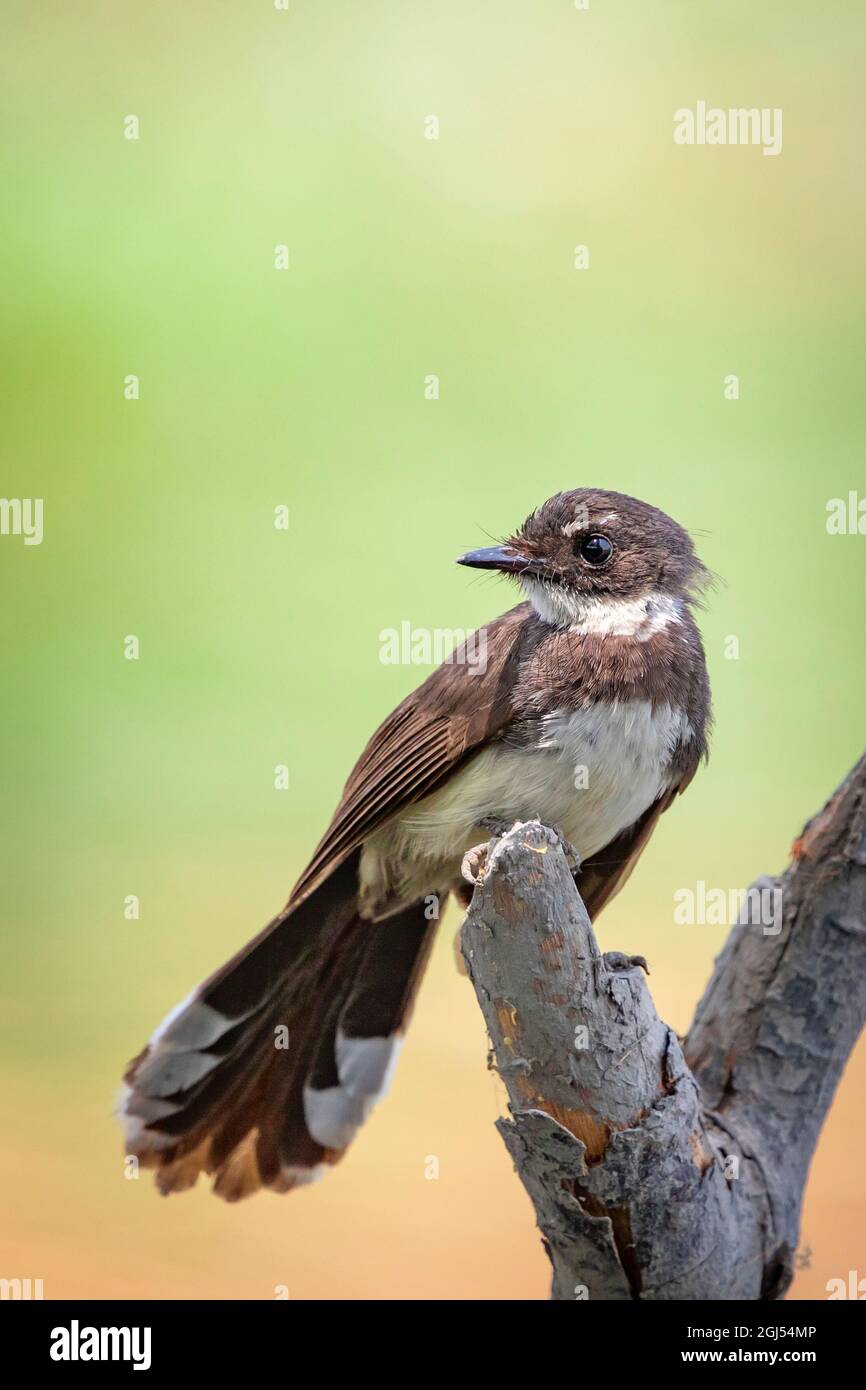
(498, 557)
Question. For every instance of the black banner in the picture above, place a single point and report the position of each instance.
(67, 1338)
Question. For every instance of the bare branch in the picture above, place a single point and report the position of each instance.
(650, 1179)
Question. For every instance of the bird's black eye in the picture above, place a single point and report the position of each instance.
(596, 549)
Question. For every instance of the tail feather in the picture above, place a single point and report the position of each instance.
(216, 1091)
(215, 1071)
(358, 1050)
(394, 960)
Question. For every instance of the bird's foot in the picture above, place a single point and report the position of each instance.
(497, 825)
(475, 859)
(473, 864)
(571, 855)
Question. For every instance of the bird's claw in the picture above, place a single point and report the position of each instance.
(473, 862)
(571, 854)
(475, 859)
(497, 825)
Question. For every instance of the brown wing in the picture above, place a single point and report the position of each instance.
(458, 708)
(603, 874)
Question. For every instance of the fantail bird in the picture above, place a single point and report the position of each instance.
(591, 712)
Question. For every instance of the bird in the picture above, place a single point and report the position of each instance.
(591, 711)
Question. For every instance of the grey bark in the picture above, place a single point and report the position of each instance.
(661, 1168)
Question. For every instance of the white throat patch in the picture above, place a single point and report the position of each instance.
(616, 617)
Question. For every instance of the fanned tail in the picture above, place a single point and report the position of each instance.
(264, 1074)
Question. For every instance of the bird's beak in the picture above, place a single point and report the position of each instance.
(498, 557)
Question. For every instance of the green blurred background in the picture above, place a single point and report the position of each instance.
(259, 647)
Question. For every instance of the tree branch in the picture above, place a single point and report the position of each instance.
(652, 1176)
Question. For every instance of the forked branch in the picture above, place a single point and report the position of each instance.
(661, 1168)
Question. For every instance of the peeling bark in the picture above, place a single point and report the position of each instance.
(660, 1170)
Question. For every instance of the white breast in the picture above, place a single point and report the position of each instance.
(591, 773)
(617, 758)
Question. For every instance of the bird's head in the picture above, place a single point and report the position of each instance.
(590, 558)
